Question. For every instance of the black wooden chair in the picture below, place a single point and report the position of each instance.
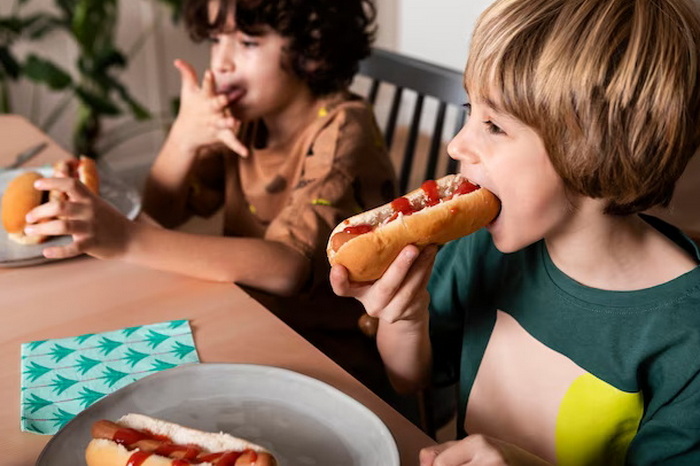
(411, 85)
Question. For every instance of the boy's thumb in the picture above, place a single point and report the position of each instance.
(188, 75)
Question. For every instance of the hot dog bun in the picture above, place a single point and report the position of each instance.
(19, 198)
(103, 451)
(83, 169)
(368, 255)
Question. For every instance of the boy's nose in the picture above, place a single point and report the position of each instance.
(459, 148)
(222, 56)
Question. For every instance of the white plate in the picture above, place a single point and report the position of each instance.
(301, 420)
(121, 195)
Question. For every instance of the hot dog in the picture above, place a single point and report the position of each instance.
(20, 196)
(438, 212)
(139, 440)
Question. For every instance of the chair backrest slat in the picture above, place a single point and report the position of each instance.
(393, 115)
(427, 81)
(373, 91)
(410, 150)
(435, 142)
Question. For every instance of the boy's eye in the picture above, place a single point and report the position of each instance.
(248, 41)
(467, 108)
(492, 128)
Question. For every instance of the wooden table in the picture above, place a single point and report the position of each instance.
(85, 295)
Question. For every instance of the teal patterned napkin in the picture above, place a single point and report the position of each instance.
(62, 377)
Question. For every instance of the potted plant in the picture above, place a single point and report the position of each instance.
(95, 86)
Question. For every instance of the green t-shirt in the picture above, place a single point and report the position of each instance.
(574, 374)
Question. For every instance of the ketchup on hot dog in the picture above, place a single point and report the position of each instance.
(146, 444)
(402, 205)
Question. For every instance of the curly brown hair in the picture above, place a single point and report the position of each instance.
(327, 38)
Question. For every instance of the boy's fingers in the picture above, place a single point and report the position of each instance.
(56, 228)
(388, 285)
(55, 209)
(208, 84)
(188, 75)
(340, 281)
(414, 284)
(428, 455)
(232, 142)
(63, 252)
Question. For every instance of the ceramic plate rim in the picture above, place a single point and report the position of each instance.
(319, 385)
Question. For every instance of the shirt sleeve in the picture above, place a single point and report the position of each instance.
(347, 170)
(446, 314)
(671, 436)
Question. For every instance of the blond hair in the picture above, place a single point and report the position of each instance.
(611, 86)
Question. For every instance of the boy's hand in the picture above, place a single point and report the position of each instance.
(203, 118)
(400, 294)
(476, 450)
(97, 228)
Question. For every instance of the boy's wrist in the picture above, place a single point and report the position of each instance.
(178, 140)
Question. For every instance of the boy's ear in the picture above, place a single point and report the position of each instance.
(312, 66)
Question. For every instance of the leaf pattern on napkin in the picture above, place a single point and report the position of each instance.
(62, 377)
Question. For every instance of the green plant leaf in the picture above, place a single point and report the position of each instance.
(100, 104)
(47, 72)
(9, 64)
(39, 25)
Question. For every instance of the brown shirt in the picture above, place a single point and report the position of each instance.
(336, 167)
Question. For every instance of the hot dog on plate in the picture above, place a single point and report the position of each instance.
(437, 212)
(139, 440)
(21, 196)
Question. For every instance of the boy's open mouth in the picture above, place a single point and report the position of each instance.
(233, 94)
(500, 205)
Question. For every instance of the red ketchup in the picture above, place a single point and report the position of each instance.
(167, 449)
(138, 457)
(128, 436)
(430, 188)
(358, 229)
(465, 187)
(402, 205)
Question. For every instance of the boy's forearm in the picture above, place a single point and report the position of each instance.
(267, 265)
(405, 350)
(165, 193)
